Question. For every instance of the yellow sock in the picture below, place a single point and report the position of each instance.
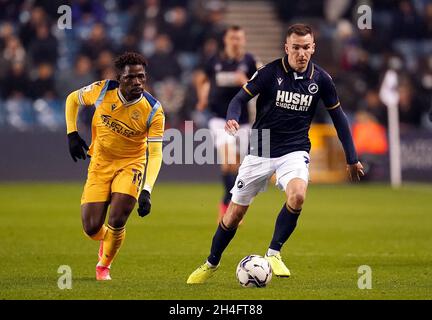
(100, 235)
(112, 243)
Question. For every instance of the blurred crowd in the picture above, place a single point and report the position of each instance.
(40, 63)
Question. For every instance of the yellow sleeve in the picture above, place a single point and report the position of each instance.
(71, 112)
(154, 160)
(157, 126)
(86, 96)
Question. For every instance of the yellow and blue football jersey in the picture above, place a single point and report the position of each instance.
(121, 128)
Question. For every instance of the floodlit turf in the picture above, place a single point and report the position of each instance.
(341, 228)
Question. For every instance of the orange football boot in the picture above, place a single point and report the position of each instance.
(102, 273)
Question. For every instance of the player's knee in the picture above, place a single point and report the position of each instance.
(119, 219)
(234, 215)
(296, 199)
(118, 216)
(117, 222)
(90, 229)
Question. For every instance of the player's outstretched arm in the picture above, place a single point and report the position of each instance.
(234, 111)
(154, 163)
(77, 146)
(340, 121)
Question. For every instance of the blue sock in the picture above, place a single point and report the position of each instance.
(228, 182)
(285, 225)
(221, 239)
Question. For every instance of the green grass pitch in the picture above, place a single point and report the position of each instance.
(341, 228)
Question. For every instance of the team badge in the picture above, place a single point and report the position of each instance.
(135, 115)
(240, 184)
(313, 88)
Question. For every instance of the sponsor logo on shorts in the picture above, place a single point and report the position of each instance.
(240, 184)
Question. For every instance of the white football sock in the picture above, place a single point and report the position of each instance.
(99, 264)
(271, 252)
(210, 265)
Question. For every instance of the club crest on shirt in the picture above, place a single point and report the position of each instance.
(135, 115)
(313, 88)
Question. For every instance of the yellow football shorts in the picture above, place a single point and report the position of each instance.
(109, 176)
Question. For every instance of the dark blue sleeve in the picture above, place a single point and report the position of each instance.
(259, 81)
(235, 106)
(328, 91)
(341, 124)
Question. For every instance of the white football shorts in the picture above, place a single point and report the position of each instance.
(255, 172)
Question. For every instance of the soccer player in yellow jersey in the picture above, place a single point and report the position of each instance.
(127, 133)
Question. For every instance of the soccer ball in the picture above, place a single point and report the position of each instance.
(254, 271)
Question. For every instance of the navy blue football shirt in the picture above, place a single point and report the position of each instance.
(221, 70)
(286, 104)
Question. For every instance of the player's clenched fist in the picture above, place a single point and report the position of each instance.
(144, 203)
(77, 146)
(231, 126)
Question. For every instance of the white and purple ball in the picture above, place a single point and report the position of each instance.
(254, 271)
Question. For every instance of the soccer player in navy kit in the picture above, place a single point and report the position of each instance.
(223, 76)
(289, 90)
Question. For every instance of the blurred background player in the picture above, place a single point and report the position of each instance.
(127, 123)
(221, 78)
(289, 90)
